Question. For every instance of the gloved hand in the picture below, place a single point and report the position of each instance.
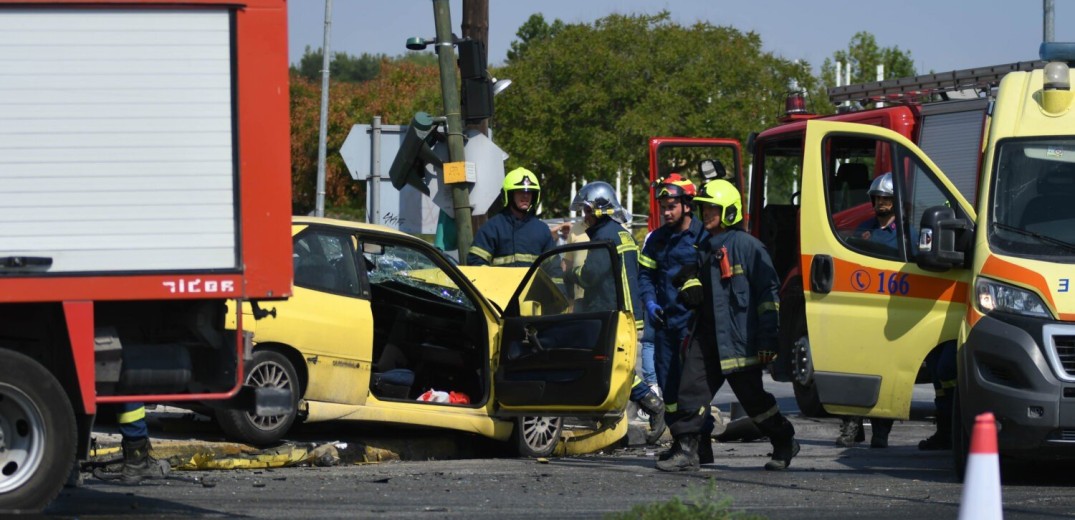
(655, 314)
(691, 294)
(685, 273)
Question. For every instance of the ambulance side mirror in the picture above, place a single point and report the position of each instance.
(943, 239)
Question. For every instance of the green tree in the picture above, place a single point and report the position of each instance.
(535, 30)
(342, 66)
(863, 55)
(400, 89)
(587, 98)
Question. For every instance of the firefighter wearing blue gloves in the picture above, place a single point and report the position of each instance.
(733, 289)
(604, 219)
(667, 250)
(514, 237)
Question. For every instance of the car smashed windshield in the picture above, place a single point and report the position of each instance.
(1033, 199)
(409, 269)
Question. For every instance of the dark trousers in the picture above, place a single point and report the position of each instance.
(701, 379)
(667, 349)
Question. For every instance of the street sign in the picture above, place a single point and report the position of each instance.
(395, 211)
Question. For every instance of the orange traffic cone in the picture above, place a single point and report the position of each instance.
(981, 481)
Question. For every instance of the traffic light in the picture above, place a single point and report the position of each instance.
(477, 95)
(414, 153)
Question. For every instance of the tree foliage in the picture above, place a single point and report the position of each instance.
(348, 68)
(586, 98)
(400, 89)
(863, 55)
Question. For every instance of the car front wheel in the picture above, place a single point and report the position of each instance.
(537, 436)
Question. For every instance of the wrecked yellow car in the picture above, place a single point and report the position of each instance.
(383, 327)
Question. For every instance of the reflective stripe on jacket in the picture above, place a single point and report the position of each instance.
(740, 313)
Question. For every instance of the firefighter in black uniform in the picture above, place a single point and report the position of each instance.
(733, 288)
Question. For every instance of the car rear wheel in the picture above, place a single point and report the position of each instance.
(537, 436)
(268, 369)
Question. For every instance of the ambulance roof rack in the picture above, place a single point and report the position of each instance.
(916, 87)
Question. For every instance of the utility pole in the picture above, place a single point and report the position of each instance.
(450, 93)
(1047, 21)
(323, 133)
(476, 27)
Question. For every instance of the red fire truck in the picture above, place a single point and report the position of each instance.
(942, 112)
(144, 185)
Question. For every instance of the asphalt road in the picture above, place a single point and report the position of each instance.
(825, 481)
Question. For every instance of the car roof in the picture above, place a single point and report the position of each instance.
(309, 221)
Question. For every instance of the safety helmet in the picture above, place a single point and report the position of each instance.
(722, 193)
(601, 199)
(676, 187)
(882, 186)
(521, 179)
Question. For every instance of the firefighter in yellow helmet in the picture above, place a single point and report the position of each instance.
(733, 288)
(515, 236)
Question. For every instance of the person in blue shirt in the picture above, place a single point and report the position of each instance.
(882, 229)
(604, 217)
(514, 237)
(665, 252)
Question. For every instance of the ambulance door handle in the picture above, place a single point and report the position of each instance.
(821, 274)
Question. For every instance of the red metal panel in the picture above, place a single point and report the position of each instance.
(655, 143)
(79, 316)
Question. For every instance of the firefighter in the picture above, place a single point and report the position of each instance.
(137, 465)
(733, 289)
(514, 237)
(604, 219)
(881, 229)
(941, 365)
(665, 252)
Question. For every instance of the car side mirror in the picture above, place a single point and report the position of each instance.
(943, 239)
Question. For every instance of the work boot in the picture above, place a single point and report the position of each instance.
(705, 450)
(781, 435)
(850, 432)
(881, 428)
(783, 452)
(654, 406)
(138, 465)
(942, 439)
(684, 456)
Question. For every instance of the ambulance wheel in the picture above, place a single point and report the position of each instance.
(37, 434)
(960, 439)
(794, 343)
(536, 437)
(267, 369)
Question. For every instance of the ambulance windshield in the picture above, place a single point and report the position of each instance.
(1033, 198)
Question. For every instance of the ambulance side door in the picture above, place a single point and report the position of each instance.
(872, 314)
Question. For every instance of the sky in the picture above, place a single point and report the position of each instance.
(941, 35)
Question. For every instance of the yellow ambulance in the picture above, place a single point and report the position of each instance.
(996, 277)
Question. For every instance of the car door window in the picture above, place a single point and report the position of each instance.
(852, 163)
(325, 261)
(924, 191)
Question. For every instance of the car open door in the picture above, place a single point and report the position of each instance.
(872, 314)
(697, 159)
(567, 345)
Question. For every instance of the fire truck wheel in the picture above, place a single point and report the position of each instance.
(37, 434)
(536, 437)
(267, 369)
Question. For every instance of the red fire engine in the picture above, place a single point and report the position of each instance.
(144, 185)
